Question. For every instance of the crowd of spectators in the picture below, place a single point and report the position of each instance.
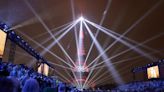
(154, 85)
(20, 78)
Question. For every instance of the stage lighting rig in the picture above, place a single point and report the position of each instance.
(22, 43)
(4, 27)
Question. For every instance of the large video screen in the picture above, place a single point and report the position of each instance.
(44, 69)
(153, 72)
(3, 36)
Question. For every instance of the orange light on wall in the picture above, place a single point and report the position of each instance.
(43, 69)
(3, 36)
(153, 72)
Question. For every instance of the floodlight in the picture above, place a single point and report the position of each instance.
(81, 18)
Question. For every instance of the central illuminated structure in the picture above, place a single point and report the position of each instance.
(80, 71)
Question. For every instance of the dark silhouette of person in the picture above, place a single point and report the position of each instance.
(31, 85)
(8, 85)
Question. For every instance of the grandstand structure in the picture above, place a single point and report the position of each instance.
(84, 44)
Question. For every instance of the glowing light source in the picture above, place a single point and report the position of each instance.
(81, 18)
(3, 36)
(81, 69)
(44, 69)
(153, 72)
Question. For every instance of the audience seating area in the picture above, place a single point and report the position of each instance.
(19, 78)
(155, 85)
(20, 73)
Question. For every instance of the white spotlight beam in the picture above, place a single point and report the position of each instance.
(25, 23)
(20, 53)
(121, 61)
(89, 75)
(75, 28)
(95, 65)
(102, 80)
(97, 32)
(46, 49)
(76, 37)
(80, 46)
(52, 44)
(64, 67)
(63, 34)
(100, 49)
(62, 76)
(102, 74)
(109, 33)
(80, 43)
(137, 22)
(72, 73)
(138, 45)
(79, 84)
(123, 69)
(116, 63)
(48, 30)
(134, 24)
(60, 37)
(57, 41)
(46, 40)
(55, 34)
(111, 69)
(55, 29)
